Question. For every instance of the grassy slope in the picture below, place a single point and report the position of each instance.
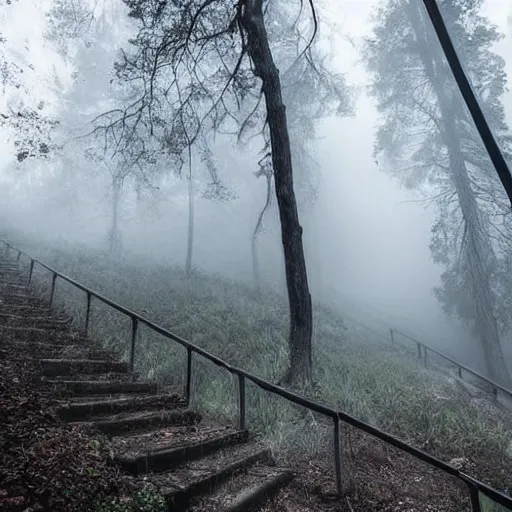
(369, 380)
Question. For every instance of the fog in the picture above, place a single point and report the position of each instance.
(366, 237)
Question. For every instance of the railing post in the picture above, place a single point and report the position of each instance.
(30, 270)
(54, 278)
(337, 455)
(241, 403)
(460, 372)
(87, 313)
(188, 385)
(135, 323)
(425, 356)
(475, 498)
(419, 350)
(18, 258)
(392, 335)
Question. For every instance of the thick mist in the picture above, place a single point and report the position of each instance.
(366, 238)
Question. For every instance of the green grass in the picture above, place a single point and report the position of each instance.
(374, 381)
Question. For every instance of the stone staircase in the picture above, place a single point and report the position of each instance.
(196, 464)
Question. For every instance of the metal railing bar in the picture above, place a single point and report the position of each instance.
(290, 396)
(475, 498)
(135, 324)
(87, 313)
(52, 293)
(337, 455)
(459, 365)
(188, 385)
(213, 358)
(493, 494)
(241, 401)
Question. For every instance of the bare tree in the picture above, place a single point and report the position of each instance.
(209, 62)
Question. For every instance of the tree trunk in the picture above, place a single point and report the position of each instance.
(114, 237)
(478, 247)
(256, 232)
(301, 320)
(255, 262)
(190, 239)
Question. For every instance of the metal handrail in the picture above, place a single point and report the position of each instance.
(460, 366)
(475, 486)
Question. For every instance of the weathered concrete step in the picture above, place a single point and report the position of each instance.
(16, 309)
(173, 436)
(41, 322)
(9, 283)
(21, 299)
(79, 399)
(7, 265)
(95, 387)
(245, 492)
(163, 459)
(80, 352)
(6, 282)
(36, 351)
(61, 367)
(205, 475)
(36, 334)
(98, 377)
(11, 278)
(84, 410)
(11, 269)
(124, 423)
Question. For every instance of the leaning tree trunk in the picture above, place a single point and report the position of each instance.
(190, 237)
(479, 254)
(301, 320)
(478, 249)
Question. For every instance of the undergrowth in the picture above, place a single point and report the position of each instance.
(374, 381)
(145, 500)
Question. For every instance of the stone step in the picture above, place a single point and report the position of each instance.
(41, 322)
(79, 399)
(78, 352)
(9, 286)
(16, 309)
(21, 299)
(84, 410)
(245, 492)
(203, 476)
(98, 377)
(39, 335)
(12, 278)
(63, 367)
(6, 265)
(95, 387)
(125, 423)
(164, 459)
(26, 351)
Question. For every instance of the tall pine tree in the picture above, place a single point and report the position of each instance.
(427, 138)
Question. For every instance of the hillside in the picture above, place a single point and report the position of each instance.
(375, 382)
